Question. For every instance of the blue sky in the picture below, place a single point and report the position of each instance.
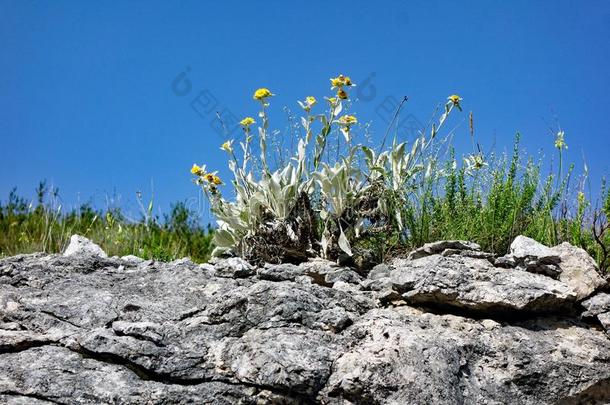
(87, 100)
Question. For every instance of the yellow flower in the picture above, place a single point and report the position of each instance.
(216, 180)
(342, 94)
(331, 100)
(348, 120)
(246, 122)
(340, 81)
(336, 82)
(210, 177)
(308, 103)
(455, 99)
(560, 143)
(262, 94)
(196, 170)
(227, 146)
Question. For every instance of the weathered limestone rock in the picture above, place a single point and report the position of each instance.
(598, 307)
(280, 272)
(404, 356)
(578, 270)
(82, 246)
(524, 247)
(474, 284)
(84, 329)
(234, 267)
(440, 246)
(530, 255)
(132, 259)
(569, 264)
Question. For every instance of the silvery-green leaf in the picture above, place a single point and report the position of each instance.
(223, 238)
(324, 244)
(344, 243)
(338, 109)
(301, 149)
(220, 251)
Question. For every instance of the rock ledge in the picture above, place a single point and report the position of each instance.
(88, 329)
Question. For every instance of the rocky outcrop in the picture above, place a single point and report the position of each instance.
(443, 327)
(598, 307)
(578, 270)
(529, 255)
(476, 285)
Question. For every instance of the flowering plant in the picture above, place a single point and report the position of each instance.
(315, 204)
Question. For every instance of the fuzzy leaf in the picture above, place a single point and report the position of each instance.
(344, 243)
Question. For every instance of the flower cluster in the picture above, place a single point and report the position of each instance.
(340, 83)
(209, 180)
(346, 122)
(339, 185)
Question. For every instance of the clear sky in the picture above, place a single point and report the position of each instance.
(87, 99)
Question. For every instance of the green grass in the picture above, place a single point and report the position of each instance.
(510, 197)
(506, 197)
(42, 226)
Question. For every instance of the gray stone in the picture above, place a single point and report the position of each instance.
(578, 270)
(234, 267)
(280, 272)
(478, 255)
(531, 256)
(438, 247)
(379, 271)
(507, 261)
(132, 259)
(403, 356)
(319, 271)
(534, 265)
(185, 261)
(75, 330)
(377, 284)
(342, 275)
(475, 284)
(524, 247)
(81, 246)
(598, 307)
(320, 266)
(597, 304)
